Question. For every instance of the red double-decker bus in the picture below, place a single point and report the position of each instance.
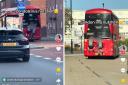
(101, 33)
(28, 20)
(32, 22)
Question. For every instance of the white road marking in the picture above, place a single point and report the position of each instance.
(46, 58)
(31, 54)
(38, 56)
(58, 62)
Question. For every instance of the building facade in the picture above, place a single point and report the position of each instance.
(54, 21)
(51, 23)
(7, 3)
(79, 16)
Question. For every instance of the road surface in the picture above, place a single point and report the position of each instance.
(39, 68)
(83, 71)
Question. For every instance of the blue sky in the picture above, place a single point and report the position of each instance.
(88, 4)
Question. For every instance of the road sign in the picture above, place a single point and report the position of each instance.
(21, 6)
(20, 0)
(21, 14)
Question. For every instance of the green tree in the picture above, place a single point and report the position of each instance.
(68, 18)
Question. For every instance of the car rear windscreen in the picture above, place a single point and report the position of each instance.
(11, 34)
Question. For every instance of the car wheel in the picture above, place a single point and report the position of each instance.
(26, 58)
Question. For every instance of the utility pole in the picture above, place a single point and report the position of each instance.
(103, 5)
(56, 15)
(0, 6)
(71, 27)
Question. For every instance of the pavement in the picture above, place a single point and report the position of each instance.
(46, 49)
(43, 44)
(82, 71)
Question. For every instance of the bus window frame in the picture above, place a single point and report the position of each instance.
(114, 21)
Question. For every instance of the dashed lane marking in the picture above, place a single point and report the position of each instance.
(38, 56)
(58, 62)
(46, 58)
(31, 54)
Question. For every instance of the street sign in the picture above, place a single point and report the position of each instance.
(21, 6)
(20, 0)
(21, 14)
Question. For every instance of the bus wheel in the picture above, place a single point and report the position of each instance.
(112, 57)
(90, 57)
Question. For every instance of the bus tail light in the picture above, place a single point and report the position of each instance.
(111, 27)
(85, 27)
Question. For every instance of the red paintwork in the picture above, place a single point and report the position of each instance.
(98, 10)
(108, 44)
(111, 28)
(85, 27)
(37, 34)
(106, 51)
(32, 7)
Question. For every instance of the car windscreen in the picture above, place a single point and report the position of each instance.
(15, 35)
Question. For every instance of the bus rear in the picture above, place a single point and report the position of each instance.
(100, 35)
(32, 23)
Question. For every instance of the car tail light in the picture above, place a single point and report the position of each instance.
(24, 41)
(85, 27)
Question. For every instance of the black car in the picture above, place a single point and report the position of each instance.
(13, 44)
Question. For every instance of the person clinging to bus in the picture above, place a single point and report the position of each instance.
(31, 29)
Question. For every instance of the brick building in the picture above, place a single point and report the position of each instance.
(51, 24)
(7, 3)
(54, 22)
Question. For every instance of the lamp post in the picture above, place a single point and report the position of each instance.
(103, 5)
(0, 6)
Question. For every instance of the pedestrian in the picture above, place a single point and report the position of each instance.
(31, 29)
